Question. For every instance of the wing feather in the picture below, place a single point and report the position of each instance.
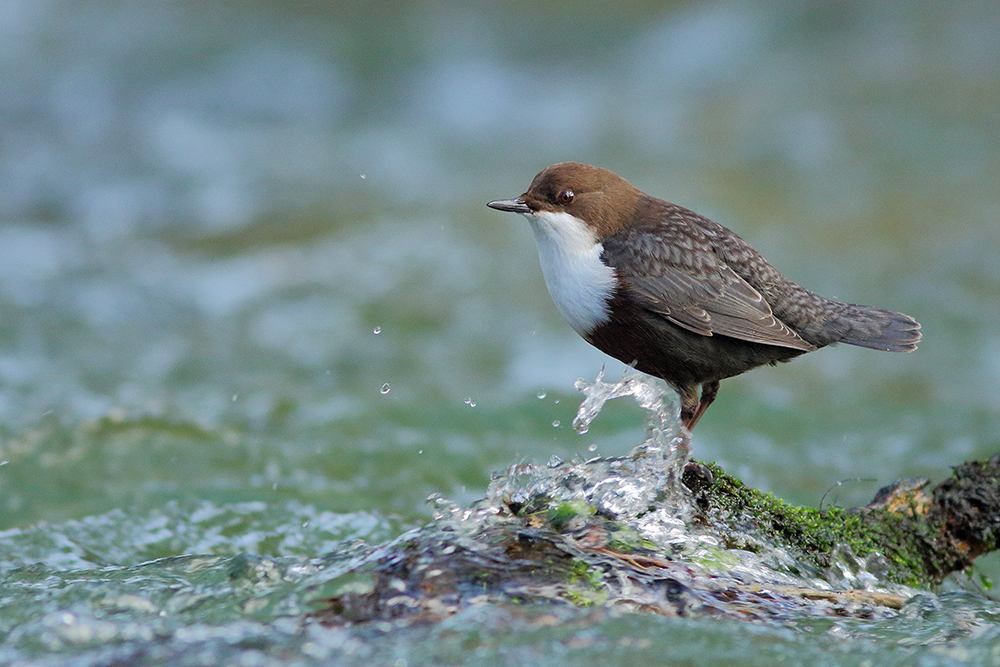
(708, 298)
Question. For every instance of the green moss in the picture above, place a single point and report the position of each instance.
(560, 515)
(816, 534)
(721, 559)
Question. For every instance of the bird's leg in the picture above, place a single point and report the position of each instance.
(689, 404)
(708, 392)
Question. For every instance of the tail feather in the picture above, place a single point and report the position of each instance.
(878, 329)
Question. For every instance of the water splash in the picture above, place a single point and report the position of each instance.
(646, 481)
(622, 532)
(647, 391)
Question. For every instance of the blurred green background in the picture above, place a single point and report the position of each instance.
(224, 226)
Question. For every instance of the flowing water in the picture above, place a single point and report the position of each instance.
(261, 579)
(254, 311)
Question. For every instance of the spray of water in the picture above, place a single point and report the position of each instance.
(644, 481)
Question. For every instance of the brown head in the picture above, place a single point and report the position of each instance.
(601, 198)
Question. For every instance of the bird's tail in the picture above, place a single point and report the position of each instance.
(876, 328)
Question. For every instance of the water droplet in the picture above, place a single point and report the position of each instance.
(377, 330)
(541, 395)
(592, 448)
(556, 423)
(363, 177)
(471, 403)
(555, 461)
(384, 389)
(556, 401)
(235, 396)
(581, 426)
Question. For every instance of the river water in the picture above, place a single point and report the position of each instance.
(254, 311)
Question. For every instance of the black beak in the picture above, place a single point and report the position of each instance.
(510, 205)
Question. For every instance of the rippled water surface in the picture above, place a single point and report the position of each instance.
(254, 311)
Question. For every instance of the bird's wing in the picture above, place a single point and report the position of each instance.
(670, 275)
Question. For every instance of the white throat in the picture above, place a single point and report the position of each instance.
(579, 282)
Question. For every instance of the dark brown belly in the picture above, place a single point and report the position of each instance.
(679, 356)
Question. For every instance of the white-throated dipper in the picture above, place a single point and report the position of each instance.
(677, 295)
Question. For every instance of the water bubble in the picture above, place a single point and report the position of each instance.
(384, 389)
(556, 401)
(377, 330)
(592, 448)
(235, 396)
(555, 461)
(556, 423)
(363, 177)
(471, 403)
(541, 395)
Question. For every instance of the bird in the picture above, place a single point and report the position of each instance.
(677, 295)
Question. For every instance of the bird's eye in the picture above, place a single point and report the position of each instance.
(566, 196)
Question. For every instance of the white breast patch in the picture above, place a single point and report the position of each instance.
(580, 284)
